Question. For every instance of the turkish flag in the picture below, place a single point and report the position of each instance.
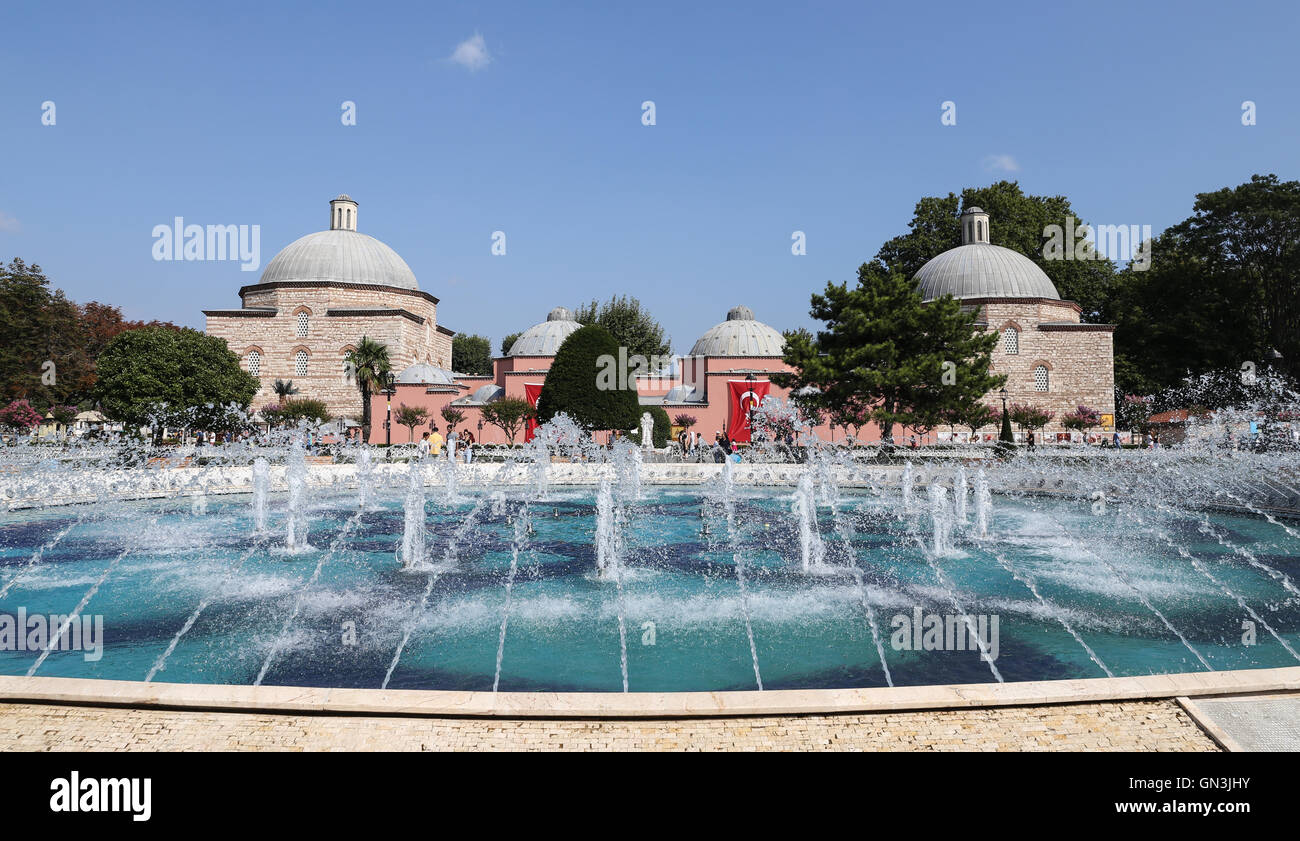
(532, 391)
(745, 395)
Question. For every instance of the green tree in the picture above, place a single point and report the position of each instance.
(471, 355)
(574, 385)
(42, 346)
(1016, 221)
(631, 325)
(885, 354)
(410, 417)
(453, 416)
(370, 368)
(509, 340)
(159, 376)
(509, 414)
(1222, 289)
(284, 389)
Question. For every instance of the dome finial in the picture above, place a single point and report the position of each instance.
(343, 213)
(974, 226)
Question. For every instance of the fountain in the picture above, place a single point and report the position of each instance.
(942, 517)
(1101, 563)
(983, 504)
(261, 486)
(413, 530)
(812, 550)
(295, 538)
(959, 491)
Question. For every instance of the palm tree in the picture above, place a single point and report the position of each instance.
(368, 364)
(284, 389)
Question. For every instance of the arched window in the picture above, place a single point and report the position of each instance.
(300, 363)
(1011, 340)
(254, 363)
(302, 324)
(1040, 378)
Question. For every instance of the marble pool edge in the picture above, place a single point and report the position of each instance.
(441, 703)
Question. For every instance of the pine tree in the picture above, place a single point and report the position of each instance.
(885, 353)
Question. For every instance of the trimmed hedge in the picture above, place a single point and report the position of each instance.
(571, 385)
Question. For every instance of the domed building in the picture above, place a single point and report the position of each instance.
(1052, 359)
(314, 302)
(726, 374)
(545, 338)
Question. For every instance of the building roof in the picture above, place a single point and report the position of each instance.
(740, 335)
(544, 339)
(422, 373)
(340, 256)
(983, 270)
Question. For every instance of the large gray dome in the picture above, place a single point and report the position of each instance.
(740, 335)
(982, 270)
(342, 256)
(545, 339)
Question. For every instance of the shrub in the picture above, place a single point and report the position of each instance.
(571, 384)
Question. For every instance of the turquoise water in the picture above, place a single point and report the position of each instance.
(686, 621)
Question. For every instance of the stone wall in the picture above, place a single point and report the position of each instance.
(374, 313)
(1079, 357)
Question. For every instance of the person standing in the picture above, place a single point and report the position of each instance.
(422, 449)
(435, 443)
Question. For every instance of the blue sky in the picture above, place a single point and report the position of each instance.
(770, 118)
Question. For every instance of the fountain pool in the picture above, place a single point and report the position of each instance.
(527, 594)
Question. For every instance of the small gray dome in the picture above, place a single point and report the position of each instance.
(342, 256)
(973, 210)
(683, 394)
(544, 339)
(422, 373)
(487, 393)
(345, 197)
(740, 335)
(981, 270)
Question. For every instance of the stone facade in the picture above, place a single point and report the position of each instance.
(337, 316)
(1079, 358)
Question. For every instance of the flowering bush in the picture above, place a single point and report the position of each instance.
(19, 415)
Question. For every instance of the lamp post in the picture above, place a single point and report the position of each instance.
(1005, 437)
(389, 389)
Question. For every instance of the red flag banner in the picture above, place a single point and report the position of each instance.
(745, 395)
(532, 391)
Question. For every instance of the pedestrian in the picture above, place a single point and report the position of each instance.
(435, 442)
(1029, 439)
(1116, 439)
(422, 449)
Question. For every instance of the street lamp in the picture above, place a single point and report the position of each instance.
(1005, 436)
(389, 389)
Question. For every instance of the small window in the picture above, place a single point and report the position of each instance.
(1040, 378)
(1011, 340)
(254, 363)
(300, 363)
(348, 377)
(302, 324)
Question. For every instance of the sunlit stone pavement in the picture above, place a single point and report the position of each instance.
(1129, 726)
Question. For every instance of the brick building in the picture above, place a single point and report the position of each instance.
(1052, 360)
(315, 301)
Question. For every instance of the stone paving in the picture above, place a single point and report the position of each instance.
(1129, 726)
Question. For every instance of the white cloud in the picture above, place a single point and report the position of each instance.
(8, 224)
(1001, 163)
(472, 53)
